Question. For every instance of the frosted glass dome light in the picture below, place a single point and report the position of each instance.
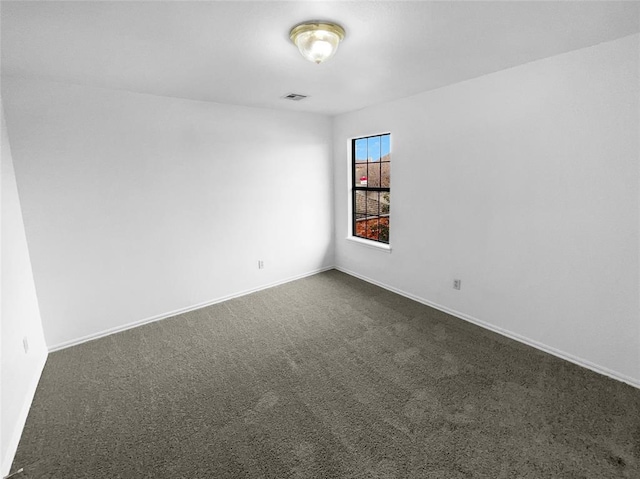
(317, 41)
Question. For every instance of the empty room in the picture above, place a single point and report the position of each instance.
(323, 239)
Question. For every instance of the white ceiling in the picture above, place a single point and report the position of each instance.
(239, 52)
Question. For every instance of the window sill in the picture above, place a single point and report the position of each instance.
(371, 244)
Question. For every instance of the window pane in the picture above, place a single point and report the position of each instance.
(380, 229)
(385, 147)
(383, 229)
(373, 148)
(373, 174)
(372, 203)
(372, 228)
(364, 228)
(360, 209)
(361, 174)
(385, 168)
(385, 202)
(361, 150)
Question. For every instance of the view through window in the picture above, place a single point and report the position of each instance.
(371, 198)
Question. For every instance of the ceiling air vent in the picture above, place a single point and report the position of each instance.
(294, 97)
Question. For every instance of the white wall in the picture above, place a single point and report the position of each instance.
(20, 318)
(523, 184)
(137, 205)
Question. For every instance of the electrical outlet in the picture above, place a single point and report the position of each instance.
(260, 264)
(456, 284)
(25, 345)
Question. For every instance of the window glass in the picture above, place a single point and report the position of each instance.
(371, 187)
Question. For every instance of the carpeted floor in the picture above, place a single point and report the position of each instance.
(325, 377)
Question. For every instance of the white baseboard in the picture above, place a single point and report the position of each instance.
(170, 314)
(16, 434)
(504, 332)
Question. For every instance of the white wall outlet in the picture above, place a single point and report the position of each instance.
(25, 344)
(260, 264)
(456, 284)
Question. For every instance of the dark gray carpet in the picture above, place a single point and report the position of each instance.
(325, 377)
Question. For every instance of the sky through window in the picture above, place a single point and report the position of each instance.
(372, 148)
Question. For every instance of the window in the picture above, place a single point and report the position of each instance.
(370, 186)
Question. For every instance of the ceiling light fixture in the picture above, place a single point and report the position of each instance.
(317, 41)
